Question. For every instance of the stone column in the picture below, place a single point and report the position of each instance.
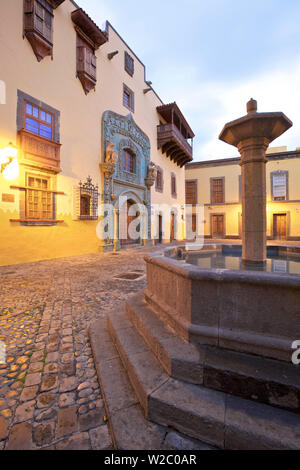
(253, 164)
(252, 134)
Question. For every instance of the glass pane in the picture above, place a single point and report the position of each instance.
(45, 131)
(35, 112)
(29, 109)
(49, 118)
(32, 126)
(43, 116)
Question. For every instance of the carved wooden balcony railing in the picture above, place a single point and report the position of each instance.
(171, 141)
(39, 152)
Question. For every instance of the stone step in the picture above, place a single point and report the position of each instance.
(128, 427)
(213, 417)
(179, 359)
(252, 377)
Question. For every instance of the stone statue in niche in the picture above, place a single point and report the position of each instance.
(152, 171)
(151, 176)
(111, 155)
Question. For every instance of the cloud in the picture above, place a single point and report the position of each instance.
(209, 105)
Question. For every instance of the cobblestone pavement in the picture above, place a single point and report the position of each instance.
(49, 393)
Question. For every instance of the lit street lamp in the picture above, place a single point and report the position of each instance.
(9, 166)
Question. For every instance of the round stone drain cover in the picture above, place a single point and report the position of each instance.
(128, 276)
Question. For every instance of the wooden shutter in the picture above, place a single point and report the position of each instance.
(173, 185)
(28, 6)
(191, 192)
(217, 190)
(129, 64)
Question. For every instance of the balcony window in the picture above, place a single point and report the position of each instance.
(86, 64)
(38, 121)
(89, 39)
(174, 136)
(38, 26)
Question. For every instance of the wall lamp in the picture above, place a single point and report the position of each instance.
(111, 55)
(9, 166)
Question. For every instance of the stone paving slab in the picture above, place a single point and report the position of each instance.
(49, 392)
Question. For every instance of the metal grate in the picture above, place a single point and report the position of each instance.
(88, 196)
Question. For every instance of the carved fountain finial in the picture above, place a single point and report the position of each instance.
(252, 106)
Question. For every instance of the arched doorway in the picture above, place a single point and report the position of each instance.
(127, 215)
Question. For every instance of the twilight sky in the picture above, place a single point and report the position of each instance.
(212, 56)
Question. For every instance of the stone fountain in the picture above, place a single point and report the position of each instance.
(252, 135)
(201, 359)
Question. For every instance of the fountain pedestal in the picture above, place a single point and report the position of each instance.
(252, 134)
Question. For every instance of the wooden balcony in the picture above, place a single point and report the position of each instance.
(173, 135)
(39, 152)
(173, 144)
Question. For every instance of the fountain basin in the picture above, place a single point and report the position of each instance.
(249, 311)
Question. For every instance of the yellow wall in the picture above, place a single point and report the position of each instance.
(232, 207)
(54, 82)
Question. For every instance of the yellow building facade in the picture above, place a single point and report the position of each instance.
(217, 185)
(89, 129)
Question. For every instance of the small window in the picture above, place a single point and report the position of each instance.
(88, 200)
(129, 64)
(85, 205)
(128, 98)
(279, 185)
(128, 161)
(38, 121)
(159, 180)
(173, 185)
(191, 192)
(217, 190)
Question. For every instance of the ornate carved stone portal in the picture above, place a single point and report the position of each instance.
(121, 134)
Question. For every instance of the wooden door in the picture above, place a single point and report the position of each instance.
(127, 219)
(172, 234)
(217, 226)
(279, 226)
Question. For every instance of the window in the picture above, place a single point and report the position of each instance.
(129, 64)
(38, 22)
(191, 192)
(38, 121)
(173, 185)
(88, 200)
(128, 161)
(39, 202)
(159, 186)
(85, 205)
(128, 98)
(86, 64)
(217, 190)
(279, 185)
